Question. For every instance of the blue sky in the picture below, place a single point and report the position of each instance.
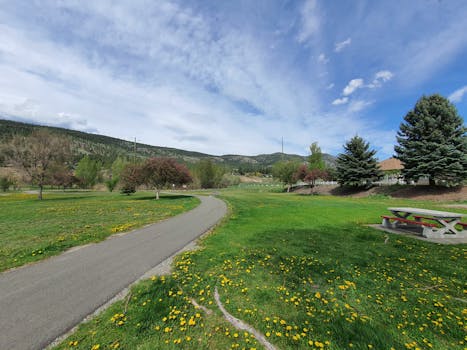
(231, 77)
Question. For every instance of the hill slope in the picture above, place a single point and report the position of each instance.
(108, 148)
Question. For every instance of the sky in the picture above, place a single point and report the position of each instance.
(231, 77)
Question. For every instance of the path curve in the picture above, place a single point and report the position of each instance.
(42, 301)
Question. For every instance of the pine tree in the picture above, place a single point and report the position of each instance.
(432, 142)
(357, 166)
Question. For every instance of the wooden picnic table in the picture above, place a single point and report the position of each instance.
(446, 221)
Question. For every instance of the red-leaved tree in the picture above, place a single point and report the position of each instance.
(130, 178)
(161, 172)
(310, 176)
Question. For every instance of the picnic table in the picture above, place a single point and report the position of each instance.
(435, 223)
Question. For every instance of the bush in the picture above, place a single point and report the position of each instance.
(229, 180)
(5, 183)
(111, 183)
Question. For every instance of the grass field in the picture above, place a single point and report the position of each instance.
(31, 230)
(304, 271)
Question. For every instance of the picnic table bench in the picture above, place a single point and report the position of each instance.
(441, 223)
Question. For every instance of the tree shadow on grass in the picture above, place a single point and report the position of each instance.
(165, 197)
(67, 198)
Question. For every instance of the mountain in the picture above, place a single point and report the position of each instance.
(107, 149)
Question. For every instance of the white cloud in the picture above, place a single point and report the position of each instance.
(353, 85)
(338, 47)
(310, 21)
(167, 104)
(458, 95)
(340, 101)
(359, 105)
(384, 75)
(173, 77)
(381, 77)
(323, 59)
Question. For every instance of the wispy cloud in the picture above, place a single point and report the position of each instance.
(323, 59)
(340, 101)
(160, 71)
(380, 78)
(359, 105)
(309, 21)
(353, 85)
(458, 95)
(231, 77)
(426, 55)
(338, 47)
(383, 75)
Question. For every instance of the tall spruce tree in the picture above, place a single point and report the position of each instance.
(432, 142)
(357, 166)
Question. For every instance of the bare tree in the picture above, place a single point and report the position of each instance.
(37, 154)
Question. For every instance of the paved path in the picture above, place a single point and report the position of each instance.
(42, 301)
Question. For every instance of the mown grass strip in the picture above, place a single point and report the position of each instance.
(32, 230)
(307, 273)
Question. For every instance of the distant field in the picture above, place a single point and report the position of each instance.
(31, 230)
(307, 273)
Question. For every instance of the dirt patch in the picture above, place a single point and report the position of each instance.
(397, 191)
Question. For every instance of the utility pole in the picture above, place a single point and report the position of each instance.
(282, 142)
(134, 160)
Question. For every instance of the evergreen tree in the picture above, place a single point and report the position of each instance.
(357, 166)
(432, 142)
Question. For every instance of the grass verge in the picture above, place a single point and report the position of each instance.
(32, 230)
(305, 272)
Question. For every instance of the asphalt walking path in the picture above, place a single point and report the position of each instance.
(40, 302)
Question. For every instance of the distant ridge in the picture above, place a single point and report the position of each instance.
(107, 149)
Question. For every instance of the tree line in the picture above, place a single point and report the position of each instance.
(432, 144)
(47, 160)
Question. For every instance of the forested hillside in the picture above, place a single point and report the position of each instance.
(107, 149)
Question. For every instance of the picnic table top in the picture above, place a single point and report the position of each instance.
(427, 212)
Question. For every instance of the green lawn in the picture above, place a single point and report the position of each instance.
(31, 230)
(307, 273)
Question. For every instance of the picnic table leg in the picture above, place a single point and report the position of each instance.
(427, 232)
(387, 223)
(448, 226)
(401, 214)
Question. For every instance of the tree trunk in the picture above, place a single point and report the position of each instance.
(157, 194)
(40, 192)
(431, 181)
(288, 188)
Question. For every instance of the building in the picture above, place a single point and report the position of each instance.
(391, 168)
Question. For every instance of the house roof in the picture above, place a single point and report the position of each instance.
(391, 164)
